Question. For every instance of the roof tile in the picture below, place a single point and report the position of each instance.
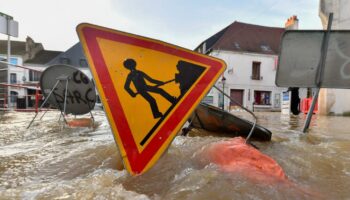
(244, 37)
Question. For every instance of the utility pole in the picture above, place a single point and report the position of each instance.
(8, 18)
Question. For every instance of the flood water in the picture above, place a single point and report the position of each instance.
(50, 161)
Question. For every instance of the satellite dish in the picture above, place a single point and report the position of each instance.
(80, 96)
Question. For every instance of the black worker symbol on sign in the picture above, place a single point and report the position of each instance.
(188, 74)
(138, 78)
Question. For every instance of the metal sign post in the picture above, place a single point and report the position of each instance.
(320, 71)
(42, 105)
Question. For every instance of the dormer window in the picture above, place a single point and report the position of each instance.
(236, 45)
(64, 60)
(83, 63)
(265, 48)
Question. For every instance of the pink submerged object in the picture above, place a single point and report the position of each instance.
(235, 156)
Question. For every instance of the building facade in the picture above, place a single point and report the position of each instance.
(249, 79)
(21, 82)
(75, 57)
(251, 54)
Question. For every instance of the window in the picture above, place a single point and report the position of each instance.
(34, 75)
(236, 45)
(13, 95)
(13, 78)
(83, 63)
(230, 70)
(262, 97)
(65, 61)
(208, 100)
(221, 100)
(14, 61)
(256, 71)
(265, 48)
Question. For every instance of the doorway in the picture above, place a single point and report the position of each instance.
(237, 95)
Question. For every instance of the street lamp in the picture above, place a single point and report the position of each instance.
(223, 80)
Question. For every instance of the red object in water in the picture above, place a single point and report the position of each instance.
(306, 104)
(37, 100)
(81, 122)
(235, 156)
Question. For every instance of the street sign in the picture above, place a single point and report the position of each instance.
(72, 91)
(299, 59)
(148, 89)
(8, 26)
(286, 102)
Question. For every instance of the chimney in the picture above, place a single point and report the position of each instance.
(32, 48)
(29, 43)
(292, 23)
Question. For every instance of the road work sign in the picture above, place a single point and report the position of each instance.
(148, 89)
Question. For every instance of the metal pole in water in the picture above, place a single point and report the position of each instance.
(311, 110)
(65, 97)
(319, 77)
(65, 101)
(42, 105)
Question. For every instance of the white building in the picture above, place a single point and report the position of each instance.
(335, 101)
(28, 54)
(251, 54)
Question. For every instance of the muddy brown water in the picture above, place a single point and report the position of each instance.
(49, 161)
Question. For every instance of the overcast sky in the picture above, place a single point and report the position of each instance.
(182, 22)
